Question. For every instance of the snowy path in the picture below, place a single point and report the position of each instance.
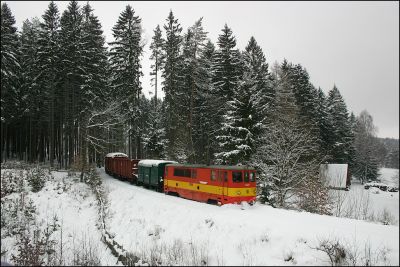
(258, 235)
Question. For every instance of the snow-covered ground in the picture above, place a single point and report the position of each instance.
(75, 207)
(369, 204)
(146, 222)
(167, 229)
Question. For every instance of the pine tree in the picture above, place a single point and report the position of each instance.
(306, 99)
(257, 67)
(324, 121)
(49, 62)
(31, 86)
(172, 84)
(156, 55)
(194, 78)
(206, 108)
(246, 116)
(227, 65)
(10, 68)
(341, 132)
(73, 76)
(94, 84)
(125, 55)
(239, 127)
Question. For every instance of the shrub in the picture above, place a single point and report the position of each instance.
(37, 178)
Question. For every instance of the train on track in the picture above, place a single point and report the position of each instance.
(214, 184)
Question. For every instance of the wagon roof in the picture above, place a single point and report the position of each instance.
(153, 162)
(116, 154)
(224, 167)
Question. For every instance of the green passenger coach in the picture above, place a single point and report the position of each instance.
(151, 173)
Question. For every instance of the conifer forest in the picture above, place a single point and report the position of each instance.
(67, 96)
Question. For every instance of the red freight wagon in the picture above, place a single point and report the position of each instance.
(118, 164)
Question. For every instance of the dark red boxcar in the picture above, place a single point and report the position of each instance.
(119, 165)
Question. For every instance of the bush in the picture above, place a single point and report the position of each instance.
(12, 181)
(37, 178)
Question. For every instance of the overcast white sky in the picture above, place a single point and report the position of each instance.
(354, 45)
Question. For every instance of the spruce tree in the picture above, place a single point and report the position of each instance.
(31, 86)
(194, 78)
(72, 69)
(257, 67)
(94, 84)
(125, 55)
(226, 65)
(324, 121)
(246, 115)
(341, 132)
(206, 108)
(49, 62)
(172, 84)
(156, 55)
(239, 127)
(10, 68)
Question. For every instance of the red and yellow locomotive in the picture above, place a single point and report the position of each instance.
(212, 184)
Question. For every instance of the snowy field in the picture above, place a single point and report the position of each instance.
(370, 204)
(144, 221)
(167, 229)
(75, 207)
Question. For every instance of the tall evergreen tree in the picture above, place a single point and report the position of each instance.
(341, 131)
(246, 115)
(206, 108)
(10, 68)
(125, 55)
(156, 47)
(34, 110)
(227, 64)
(324, 121)
(194, 78)
(72, 76)
(94, 84)
(172, 83)
(49, 62)
(239, 127)
(257, 67)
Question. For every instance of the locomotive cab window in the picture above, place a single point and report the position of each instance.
(194, 173)
(252, 177)
(237, 177)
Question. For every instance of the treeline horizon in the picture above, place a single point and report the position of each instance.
(67, 98)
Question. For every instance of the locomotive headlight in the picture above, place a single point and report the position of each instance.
(238, 192)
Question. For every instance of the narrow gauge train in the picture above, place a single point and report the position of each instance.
(213, 184)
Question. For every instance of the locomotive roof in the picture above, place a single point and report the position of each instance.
(153, 162)
(224, 167)
(116, 154)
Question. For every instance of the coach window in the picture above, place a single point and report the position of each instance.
(252, 177)
(213, 175)
(237, 177)
(246, 177)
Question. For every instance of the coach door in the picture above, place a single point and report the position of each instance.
(223, 178)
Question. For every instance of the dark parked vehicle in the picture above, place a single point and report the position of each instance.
(393, 189)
